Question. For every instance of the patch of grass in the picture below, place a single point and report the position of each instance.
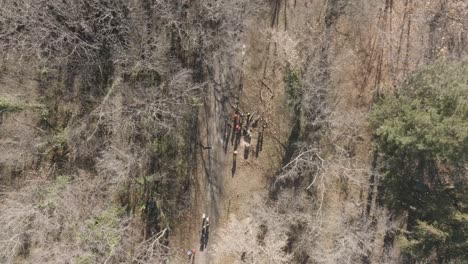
(45, 115)
(292, 79)
(86, 259)
(7, 105)
(59, 141)
(53, 192)
(101, 233)
(196, 101)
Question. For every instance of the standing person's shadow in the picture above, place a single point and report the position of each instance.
(226, 140)
(247, 139)
(233, 170)
(258, 147)
(234, 163)
(204, 237)
(202, 240)
(227, 134)
(207, 235)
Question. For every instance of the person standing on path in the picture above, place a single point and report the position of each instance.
(235, 120)
(204, 233)
(250, 120)
(202, 236)
(238, 136)
(247, 122)
(207, 232)
(191, 255)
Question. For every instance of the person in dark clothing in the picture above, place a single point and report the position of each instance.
(249, 120)
(191, 255)
(205, 233)
(238, 136)
(235, 118)
(235, 121)
(241, 119)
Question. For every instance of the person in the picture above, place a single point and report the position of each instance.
(237, 136)
(235, 117)
(255, 123)
(204, 233)
(206, 230)
(241, 119)
(205, 225)
(203, 220)
(191, 255)
(248, 121)
(250, 118)
(234, 125)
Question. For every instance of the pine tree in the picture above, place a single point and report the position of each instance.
(422, 135)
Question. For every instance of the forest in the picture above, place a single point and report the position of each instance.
(234, 131)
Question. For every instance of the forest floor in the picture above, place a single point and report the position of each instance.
(223, 191)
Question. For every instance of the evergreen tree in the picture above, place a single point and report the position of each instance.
(422, 134)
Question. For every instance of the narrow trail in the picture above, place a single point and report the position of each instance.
(220, 193)
(214, 162)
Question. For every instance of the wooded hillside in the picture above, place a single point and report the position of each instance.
(118, 130)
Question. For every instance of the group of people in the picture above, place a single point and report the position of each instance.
(242, 126)
(205, 232)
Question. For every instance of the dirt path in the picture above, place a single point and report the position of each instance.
(208, 180)
(220, 193)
